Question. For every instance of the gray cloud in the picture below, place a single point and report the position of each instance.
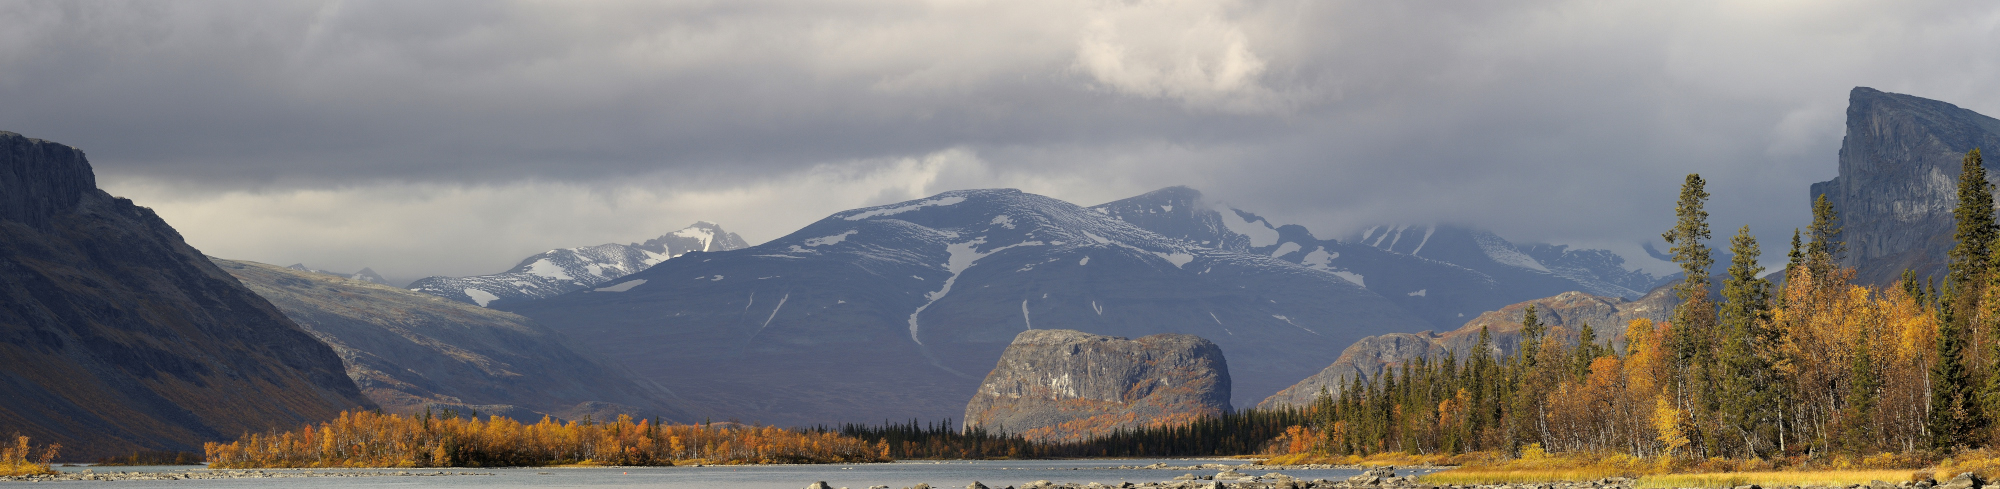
(453, 137)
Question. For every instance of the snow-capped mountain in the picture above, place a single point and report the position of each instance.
(366, 274)
(1444, 274)
(899, 310)
(565, 270)
(1597, 272)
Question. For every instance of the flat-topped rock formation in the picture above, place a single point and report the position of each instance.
(1057, 384)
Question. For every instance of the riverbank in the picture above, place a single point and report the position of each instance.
(207, 474)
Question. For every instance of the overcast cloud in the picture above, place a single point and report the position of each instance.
(455, 138)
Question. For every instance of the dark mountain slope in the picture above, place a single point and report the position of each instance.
(115, 335)
(409, 351)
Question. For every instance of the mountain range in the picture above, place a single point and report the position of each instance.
(565, 270)
(898, 310)
(411, 352)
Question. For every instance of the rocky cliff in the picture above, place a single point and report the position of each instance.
(116, 336)
(1565, 313)
(410, 351)
(1898, 181)
(1058, 384)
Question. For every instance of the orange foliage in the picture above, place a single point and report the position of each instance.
(368, 439)
(14, 460)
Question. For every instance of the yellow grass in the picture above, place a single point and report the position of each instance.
(1474, 476)
(1773, 478)
(1393, 458)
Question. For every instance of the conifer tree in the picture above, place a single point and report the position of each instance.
(1745, 399)
(1974, 235)
(1824, 252)
(1952, 381)
(1862, 388)
(1693, 320)
(1526, 416)
(1953, 414)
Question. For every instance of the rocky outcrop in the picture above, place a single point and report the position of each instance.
(1565, 314)
(1898, 181)
(410, 351)
(116, 336)
(1058, 384)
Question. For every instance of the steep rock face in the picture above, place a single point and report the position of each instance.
(409, 351)
(1055, 384)
(1565, 314)
(561, 271)
(893, 311)
(1898, 181)
(1443, 274)
(116, 336)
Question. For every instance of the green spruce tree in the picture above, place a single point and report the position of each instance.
(1746, 400)
(1693, 320)
(1862, 390)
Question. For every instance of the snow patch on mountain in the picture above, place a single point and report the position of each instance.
(1285, 249)
(1504, 252)
(831, 240)
(1350, 276)
(1261, 233)
(480, 297)
(623, 286)
(941, 201)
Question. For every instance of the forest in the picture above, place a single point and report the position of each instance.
(1810, 368)
(1235, 433)
(369, 439)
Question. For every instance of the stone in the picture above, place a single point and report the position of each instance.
(819, 485)
(975, 485)
(1048, 378)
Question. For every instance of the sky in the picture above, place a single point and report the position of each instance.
(457, 137)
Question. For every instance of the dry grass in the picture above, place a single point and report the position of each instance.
(14, 459)
(1396, 458)
(1534, 465)
(1773, 478)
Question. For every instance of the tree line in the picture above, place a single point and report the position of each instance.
(1814, 366)
(1232, 433)
(372, 439)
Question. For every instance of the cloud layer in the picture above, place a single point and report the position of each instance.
(454, 137)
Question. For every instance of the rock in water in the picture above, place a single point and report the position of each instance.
(1057, 384)
(116, 336)
(1898, 181)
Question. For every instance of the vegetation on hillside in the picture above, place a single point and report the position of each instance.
(21, 459)
(368, 439)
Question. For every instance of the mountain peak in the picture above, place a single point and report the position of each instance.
(41, 179)
(1898, 180)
